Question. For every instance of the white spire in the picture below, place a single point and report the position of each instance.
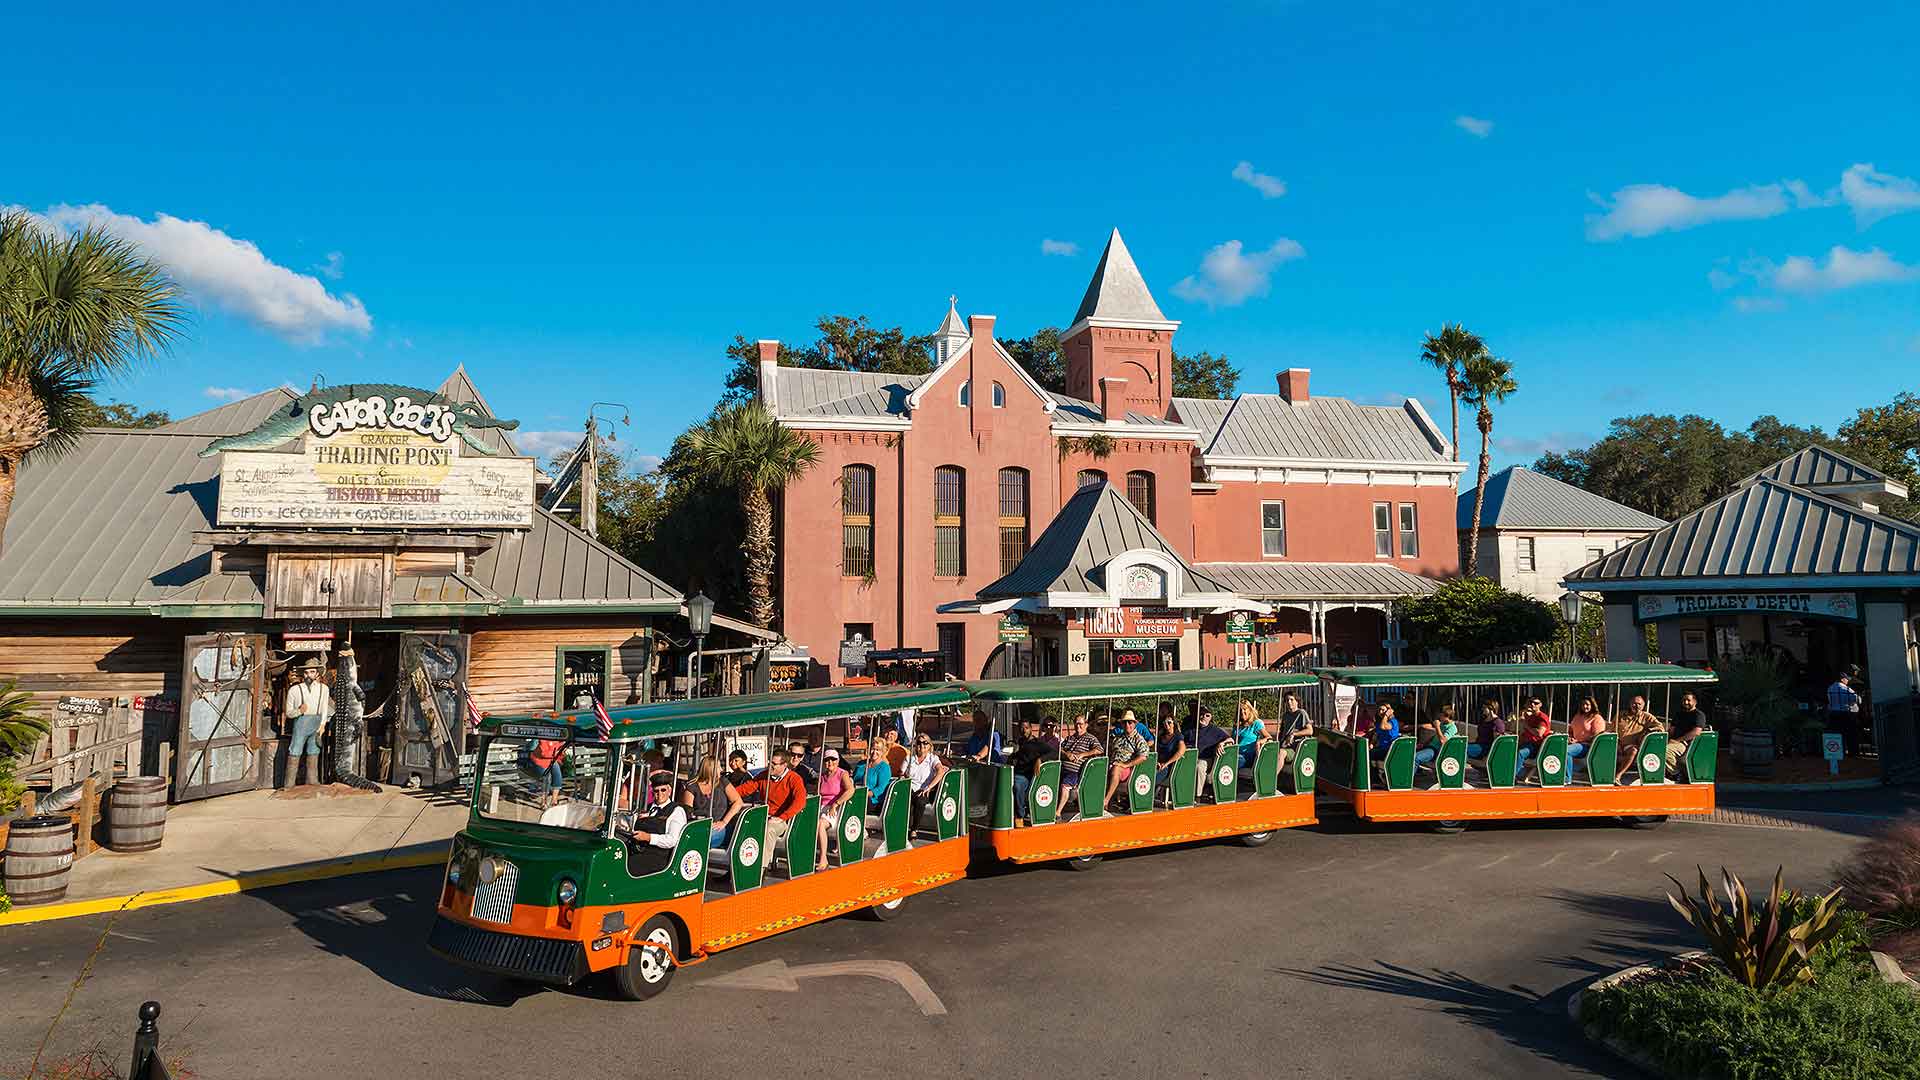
(1117, 291)
(952, 333)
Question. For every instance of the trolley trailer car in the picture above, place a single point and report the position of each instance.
(1426, 774)
(548, 882)
(1205, 781)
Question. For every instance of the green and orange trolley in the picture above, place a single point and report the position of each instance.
(541, 885)
(1448, 787)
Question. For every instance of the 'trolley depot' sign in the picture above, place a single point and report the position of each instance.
(373, 455)
(1824, 605)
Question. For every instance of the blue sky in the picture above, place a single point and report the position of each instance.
(1640, 206)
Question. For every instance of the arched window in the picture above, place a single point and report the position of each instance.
(856, 521)
(1090, 476)
(1140, 493)
(1013, 518)
(949, 521)
(966, 395)
(999, 396)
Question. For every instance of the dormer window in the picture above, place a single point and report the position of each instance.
(966, 395)
(999, 396)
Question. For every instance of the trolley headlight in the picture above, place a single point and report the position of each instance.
(489, 870)
(568, 890)
(453, 873)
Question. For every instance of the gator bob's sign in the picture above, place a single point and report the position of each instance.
(372, 456)
(1821, 605)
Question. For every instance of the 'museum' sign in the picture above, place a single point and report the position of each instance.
(1824, 605)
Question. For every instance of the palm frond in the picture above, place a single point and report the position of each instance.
(20, 727)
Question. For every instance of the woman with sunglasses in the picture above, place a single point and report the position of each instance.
(836, 787)
(924, 772)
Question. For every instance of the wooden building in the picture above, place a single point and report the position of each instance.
(177, 577)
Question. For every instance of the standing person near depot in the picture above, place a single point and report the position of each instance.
(309, 704)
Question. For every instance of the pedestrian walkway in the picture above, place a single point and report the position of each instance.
(260, 838)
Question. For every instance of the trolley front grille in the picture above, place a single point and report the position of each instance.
(540, 959)
(493, 900)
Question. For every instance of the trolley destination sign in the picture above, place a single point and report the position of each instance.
(1825, 605)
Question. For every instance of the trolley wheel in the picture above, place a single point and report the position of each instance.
(887, 912)
(1649, 821)
(649, 967)
(1083, 862)
(1448, 828)
(1255, 839)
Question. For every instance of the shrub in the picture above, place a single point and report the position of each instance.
(1472, 616)
(1764, 946)
(1883, 876)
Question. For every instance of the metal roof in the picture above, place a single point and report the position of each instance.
(110, 524)
(1816, 467)
(1071, 555)
(1520, 498)
(1117, 290)
(746, 710)
(1766, 529)
(1318, 429)
(817, 392)
(459, 388)
(1132, 684)
(1073, 412)
(1311, 580)
(1513, 674)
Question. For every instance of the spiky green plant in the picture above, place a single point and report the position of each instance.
(1761, 946)
(20, 727)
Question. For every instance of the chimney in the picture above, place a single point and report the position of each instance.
(1113, 399)
(981, 372)
(1293, 385)
(769, 381)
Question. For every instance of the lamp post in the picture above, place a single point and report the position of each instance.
(1570, 604)
(699, 620)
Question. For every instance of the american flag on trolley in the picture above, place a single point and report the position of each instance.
(602, 720)
(473, 714)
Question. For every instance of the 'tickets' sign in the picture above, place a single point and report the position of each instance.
(1134, 622)
(1826, 605)
(373, 456)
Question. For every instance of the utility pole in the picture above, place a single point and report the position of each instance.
(590, 483)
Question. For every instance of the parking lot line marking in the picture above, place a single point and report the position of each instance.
(1494, 863)
(1612, 855)
(1660, 856)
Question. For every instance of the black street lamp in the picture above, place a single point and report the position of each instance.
(1570, 605)
(700, 621)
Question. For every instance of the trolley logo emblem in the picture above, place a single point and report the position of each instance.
(1650, 762)
(1142, 784)
(1550, 765)
(749, 851)
(1449, 767)
(948, 808)
(1043, 797)
(1306, 766)
(691, 865)
(851, 830)
(1226, 775)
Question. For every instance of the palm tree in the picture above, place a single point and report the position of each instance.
(73, 308)
(745, 447)
(1449, 350)
(1484, 379)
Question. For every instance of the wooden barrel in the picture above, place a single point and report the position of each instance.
(137, 813)
(39, 857)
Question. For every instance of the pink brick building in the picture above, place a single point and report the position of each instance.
(931, 487)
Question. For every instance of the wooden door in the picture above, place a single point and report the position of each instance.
(358, 585)
(329, 585)
(221, 698)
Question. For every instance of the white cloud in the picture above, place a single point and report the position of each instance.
(229, 273)
(1050, 246)
(335, 267)
(1474, 126)
(1872, 194)
(1751, 305)
(1549, 442)
(546, 444)
(1269, 187)
(1720, 279)
(1229, 277)
(1646, 209)
(228, 393)
(1844, 269)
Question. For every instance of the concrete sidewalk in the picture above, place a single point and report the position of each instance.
(260, 838)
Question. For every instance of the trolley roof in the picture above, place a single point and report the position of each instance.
(1132, 684)
(1514, 674)
(741, 710)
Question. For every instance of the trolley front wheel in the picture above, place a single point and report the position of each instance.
(1255, 839)
(650, 961)
(1083, 862)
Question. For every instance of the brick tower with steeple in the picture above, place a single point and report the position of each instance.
(1119, 349)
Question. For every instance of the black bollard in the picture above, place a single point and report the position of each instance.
(146, 1042)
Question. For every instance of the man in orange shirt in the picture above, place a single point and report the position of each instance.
(786, 797)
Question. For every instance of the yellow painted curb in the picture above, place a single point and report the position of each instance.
(262, 879)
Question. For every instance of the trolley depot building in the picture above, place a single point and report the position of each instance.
(178, 577)
(1798, 562)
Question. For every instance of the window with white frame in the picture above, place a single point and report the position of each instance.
(966, 395)
(1273, 528)
(1383, 530)
(1409, 530)
(999, 396)
(1523, 555)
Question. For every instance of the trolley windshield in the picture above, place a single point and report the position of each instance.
(548, 781)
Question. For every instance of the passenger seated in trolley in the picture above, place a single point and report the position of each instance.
(1172, 747)
(1433, 735)
(1586, 724)
(983, 745)
(654, 832)
(836, 787)
(876, 773)
(1079, 745)
(1032, 749)
(1386, 728)
(924, 771)
(1488, 727)
(1687, 723)
(1535, 725)
(1125, 750)
(1206, 738)
(1295, 727)
(737, 775)
(786, 796)
(1250, 734)
(1633, 727)
(710, 795)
